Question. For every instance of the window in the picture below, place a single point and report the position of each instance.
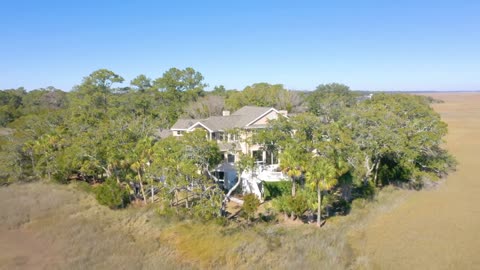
(232, 137)
(179, 133)
(230, 158)
(217, 136)
(272, 158)
(257, 155)
(219, 175)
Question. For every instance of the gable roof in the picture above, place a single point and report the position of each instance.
(200, 124)
(250, 114)
(183, 124)
(241, 118)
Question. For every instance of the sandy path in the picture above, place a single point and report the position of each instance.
(438, 229)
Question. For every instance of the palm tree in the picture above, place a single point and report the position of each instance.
(292, 164)
(322, 175)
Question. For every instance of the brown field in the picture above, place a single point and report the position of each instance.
(436, 229)
(47, 226)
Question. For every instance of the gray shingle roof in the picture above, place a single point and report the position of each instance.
(238, 119)
(249, 113)
(184, 123)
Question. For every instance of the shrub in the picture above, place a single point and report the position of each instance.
(276, 189)
(60, 177)
(364, 190)
(297, 205)
(111, 194)
(301, 202)
(282, 204)
(250, 206)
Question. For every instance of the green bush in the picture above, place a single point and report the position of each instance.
(297, 205)
(282, 204)
(111, 194)
(250, 206)
(276, 189)
(301, 202)
(364, 190)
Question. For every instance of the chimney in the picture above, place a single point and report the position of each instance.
(283, 112)
(225, 113)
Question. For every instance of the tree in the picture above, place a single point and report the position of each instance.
(11, 101)
(90, 99)
(322, 175)
(141, 83)
(330, 100)
(297, 149)
(261, 94)
(44, 100)
(205, 107)
(327, 163)
(219, 90)
(292, 163)
(178, 87)
(112, 194)
(250, 206)
(141, 159)
(399, 133)
(184, 164)
(245, 163)
(186, 84)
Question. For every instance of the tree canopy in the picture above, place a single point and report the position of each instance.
(334, 149)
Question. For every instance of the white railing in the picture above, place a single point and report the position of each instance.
(268, 173)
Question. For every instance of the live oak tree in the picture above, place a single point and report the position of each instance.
(402, 134)
(263, 95)
(329, 101)
(184, 164)
(11, 101)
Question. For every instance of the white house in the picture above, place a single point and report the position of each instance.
(232, 131)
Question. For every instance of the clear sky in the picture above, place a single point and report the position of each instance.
(368, 45)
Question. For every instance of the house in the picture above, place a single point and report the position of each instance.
(232, 131)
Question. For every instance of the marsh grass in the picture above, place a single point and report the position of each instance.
(82, 234)
(85, 235)
(281, 246)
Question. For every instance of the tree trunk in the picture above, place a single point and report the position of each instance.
(369, 169)
(176, 197)
(32, 157)
(294, 189)
(141, 187)
(227, 196)
(319, 209)
(151, 189)
(376, 173)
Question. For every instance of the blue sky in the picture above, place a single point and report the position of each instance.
(368, 45)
